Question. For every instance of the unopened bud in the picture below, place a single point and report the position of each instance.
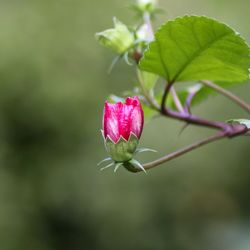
(147, 5)
(119, 39)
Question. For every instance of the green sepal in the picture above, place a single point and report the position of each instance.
(108, 166)
(142, 150)
(117, 165)
(131, 165)
(104, 160)
(137, 164)
(134, 166)
(123, 150)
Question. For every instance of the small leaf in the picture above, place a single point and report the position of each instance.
(192, 48)
(244, 122)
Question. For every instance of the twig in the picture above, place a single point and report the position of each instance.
(183, 151)
(238, 130)
(228, 94)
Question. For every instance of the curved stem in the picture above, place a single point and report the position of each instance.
(228, 94)
(177, 101)
(189, 118)
(164, 97)
(185, 150)
(190, 97)
(147, 95)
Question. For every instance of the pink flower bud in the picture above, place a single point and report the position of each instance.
(120, 120)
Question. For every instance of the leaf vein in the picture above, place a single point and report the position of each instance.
(197, 54)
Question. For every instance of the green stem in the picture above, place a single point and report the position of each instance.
(146, 94)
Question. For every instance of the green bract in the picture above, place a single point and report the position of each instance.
(194, 48)
(123, 150)
(119, 39)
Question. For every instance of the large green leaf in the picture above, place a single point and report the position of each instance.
(194, 48)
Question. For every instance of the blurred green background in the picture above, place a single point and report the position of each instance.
(53, 83)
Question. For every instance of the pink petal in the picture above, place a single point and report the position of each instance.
(137, 120)
(110, 120)
(136, 116)
(132, 101)
(121, 119)
(125, 121)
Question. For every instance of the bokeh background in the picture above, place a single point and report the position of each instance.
(53, 82)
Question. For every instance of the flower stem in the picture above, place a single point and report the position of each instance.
(237, 131)
(184, 150)
(228, 94)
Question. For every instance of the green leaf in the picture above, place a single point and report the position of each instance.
(192, 48)
(241, 121)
